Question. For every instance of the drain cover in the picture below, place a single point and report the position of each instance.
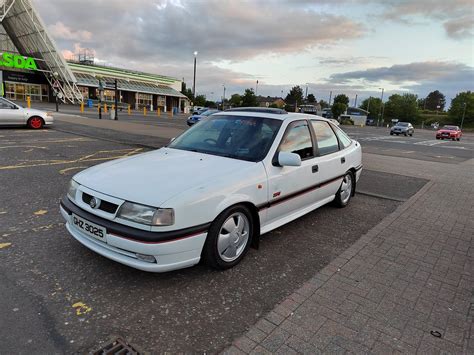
(117, 347)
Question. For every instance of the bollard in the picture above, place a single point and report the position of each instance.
(82, 107)
(105, 108)
(98, 107)
(113, 107)
(129, 110)
(28, 101)
(144, 111)
(158, 111)
(170, 113)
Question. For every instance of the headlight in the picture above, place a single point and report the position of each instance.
(72, 189)
(146, 214)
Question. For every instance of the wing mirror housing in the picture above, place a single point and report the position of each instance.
(289, 159)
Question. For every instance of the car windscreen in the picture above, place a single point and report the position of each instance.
(238, 137)
(402, 124)
(450, 128)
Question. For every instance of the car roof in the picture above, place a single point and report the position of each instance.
(273, 110)
(289, 116)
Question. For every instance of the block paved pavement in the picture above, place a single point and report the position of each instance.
(404, 287)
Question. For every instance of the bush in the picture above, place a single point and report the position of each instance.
(347, 122)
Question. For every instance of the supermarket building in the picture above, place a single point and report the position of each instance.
(32, 66)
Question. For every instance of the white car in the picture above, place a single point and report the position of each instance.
(12, 114)
(212, 191)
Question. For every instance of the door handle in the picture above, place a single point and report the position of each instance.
(314, 168)
(343, 160)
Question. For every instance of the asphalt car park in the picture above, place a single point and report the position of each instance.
(65, 298)
(422, 146)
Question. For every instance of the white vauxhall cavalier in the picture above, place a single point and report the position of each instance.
(213, 190)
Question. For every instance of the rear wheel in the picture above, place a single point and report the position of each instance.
(35, 123)
(458, 139)
(344, 194)
(228, 238)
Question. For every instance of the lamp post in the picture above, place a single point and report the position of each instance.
(223, 98)
(56, 92)
(194, 78)
(463, 114)
(330, 96)
(381, 108)
(256, 88)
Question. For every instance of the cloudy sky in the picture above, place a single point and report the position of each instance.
(343, 46)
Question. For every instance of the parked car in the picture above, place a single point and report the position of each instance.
(196, 118)
(449, 132)
(370, 122)
(212, 191)
(12, 114)
(199, 110)
(405, 128)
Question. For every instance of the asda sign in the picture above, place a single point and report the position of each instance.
(10, 60)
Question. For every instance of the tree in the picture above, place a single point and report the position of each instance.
(433, 100)
(324, 104)
(210, 104)
(235, 100)
(294, 96)
(402, 107)
(249, 99)
(338, 109)
(311, 99)
(373, 105)
(200, 100)
(457, 108)
(188, 93)
(343, 99)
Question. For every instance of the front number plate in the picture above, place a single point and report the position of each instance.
(89, 228)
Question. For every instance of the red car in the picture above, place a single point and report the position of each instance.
(449, 132)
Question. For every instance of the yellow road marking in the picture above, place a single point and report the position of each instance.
(3, 212)
(81, 308)
(64, 171)
(40, 212)
(5, 245)
(86, 158)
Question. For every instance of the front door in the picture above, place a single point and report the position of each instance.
(290, 187)
(10, 114)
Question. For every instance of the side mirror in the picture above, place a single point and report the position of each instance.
(289, 159)
(172, 139)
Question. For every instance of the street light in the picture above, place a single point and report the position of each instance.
(381, 107)
(194, 80)
(463, 114)
(256, 88)
(223, 98)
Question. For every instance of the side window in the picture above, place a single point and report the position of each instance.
(343, 138)
(4, 104)
(327, 141)
(298, 140)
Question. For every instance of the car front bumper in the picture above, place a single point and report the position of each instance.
(169, 255)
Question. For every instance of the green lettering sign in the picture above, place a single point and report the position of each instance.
(10, 60)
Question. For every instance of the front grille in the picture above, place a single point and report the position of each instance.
(104, 205)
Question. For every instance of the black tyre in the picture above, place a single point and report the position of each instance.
(343, 196)
(391, 133)
(229, 238)
(458, 139)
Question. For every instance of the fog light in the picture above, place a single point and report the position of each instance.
(147, 258)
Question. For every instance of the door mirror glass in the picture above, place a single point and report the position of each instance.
(289, 159)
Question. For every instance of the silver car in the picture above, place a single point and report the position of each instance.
(12, 114)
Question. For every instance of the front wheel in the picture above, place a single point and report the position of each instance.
(343, 196)
(35, 123)
(228, 238)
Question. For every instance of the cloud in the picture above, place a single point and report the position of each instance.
(61, 31)
(419, 77)
(455, 15)
(219, 30)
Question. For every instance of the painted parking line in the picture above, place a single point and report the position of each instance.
(430, 143)
(115, 154)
